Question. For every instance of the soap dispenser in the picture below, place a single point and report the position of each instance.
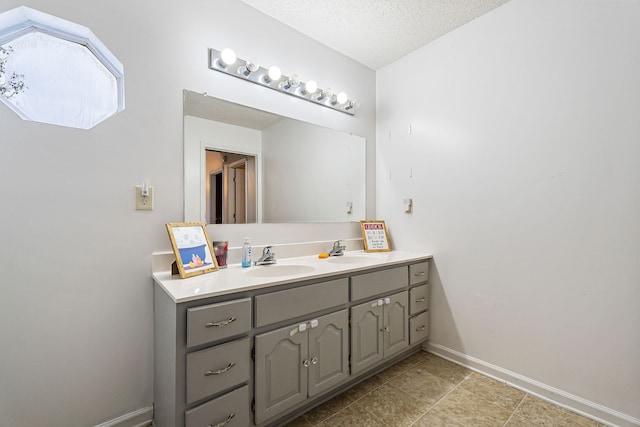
(246, 253)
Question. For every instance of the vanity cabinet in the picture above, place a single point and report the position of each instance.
(258, 356)
(300, 361)
(379, 329)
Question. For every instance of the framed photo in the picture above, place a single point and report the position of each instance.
(374, 233)
(192, 248)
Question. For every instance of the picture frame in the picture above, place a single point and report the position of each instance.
(192, 248)
(374, 235)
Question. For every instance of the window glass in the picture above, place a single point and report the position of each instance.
(65, 83)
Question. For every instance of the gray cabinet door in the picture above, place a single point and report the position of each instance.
(366, 335)
(328, 352)
(281, 379)
(396, 320)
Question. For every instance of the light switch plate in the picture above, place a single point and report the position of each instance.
(144, 203)
(408, 205)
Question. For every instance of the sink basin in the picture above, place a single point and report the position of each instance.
(275, 270)
(353, 259)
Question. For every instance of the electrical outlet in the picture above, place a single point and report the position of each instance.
(144, 203)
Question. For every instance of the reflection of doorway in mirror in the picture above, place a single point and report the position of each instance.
(230, 188)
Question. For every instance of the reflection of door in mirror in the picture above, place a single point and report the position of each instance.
(231, 188)
(214, 214)
(237, 192)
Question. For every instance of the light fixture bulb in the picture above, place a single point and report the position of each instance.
(228, 57)
(311, 87)
(292, 81)
(251, 66)
(275, 73)
(342, 98)
(324, 94)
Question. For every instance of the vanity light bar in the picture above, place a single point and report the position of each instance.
(227, 62)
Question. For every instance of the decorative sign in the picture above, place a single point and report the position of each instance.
(192, 248)
(375, 236)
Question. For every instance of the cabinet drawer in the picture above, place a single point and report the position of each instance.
(370, 284)
(305, 300)
(418, 299)
(419, 273)
(216, 369)
(419, 328)
(232, 407)
(214, 322)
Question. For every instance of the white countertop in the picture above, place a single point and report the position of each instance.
(234, 278)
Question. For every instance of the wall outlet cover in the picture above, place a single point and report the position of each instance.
(144, 203)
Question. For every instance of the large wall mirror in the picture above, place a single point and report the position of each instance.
(244, 165)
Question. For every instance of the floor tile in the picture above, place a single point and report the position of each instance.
(422, 385)
(327, 409)
(425, 390)
(519, 421)
(393, 406)
(444, 369)
(353, 415)
(471, 409)
(403, 365)
(493, 391)
(435, 418)
(545, 414)
(299, 422)
(364, 387)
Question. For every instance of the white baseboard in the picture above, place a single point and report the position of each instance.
(140, 418)
(558, 397)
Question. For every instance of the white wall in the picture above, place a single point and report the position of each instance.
(76, 323)
(328, 171)
(525, 161)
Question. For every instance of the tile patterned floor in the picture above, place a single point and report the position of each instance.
(426, 390)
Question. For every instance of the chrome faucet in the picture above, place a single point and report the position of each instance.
(268, 257)
(338, 248)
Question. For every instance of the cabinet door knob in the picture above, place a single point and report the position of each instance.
(306, 363)
(225, 422)
(220, 371)
(385, 329)
(221, 323)
(314, 361)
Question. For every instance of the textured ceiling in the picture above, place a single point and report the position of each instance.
(374, 32)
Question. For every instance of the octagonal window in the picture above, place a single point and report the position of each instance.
(57, 72)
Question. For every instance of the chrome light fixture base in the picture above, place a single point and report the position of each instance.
(289, 85)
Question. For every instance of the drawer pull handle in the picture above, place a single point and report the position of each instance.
(419, 273)
(220, 371)
(423, 299)
(225, 422)
(421, 328)
(220, 324)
